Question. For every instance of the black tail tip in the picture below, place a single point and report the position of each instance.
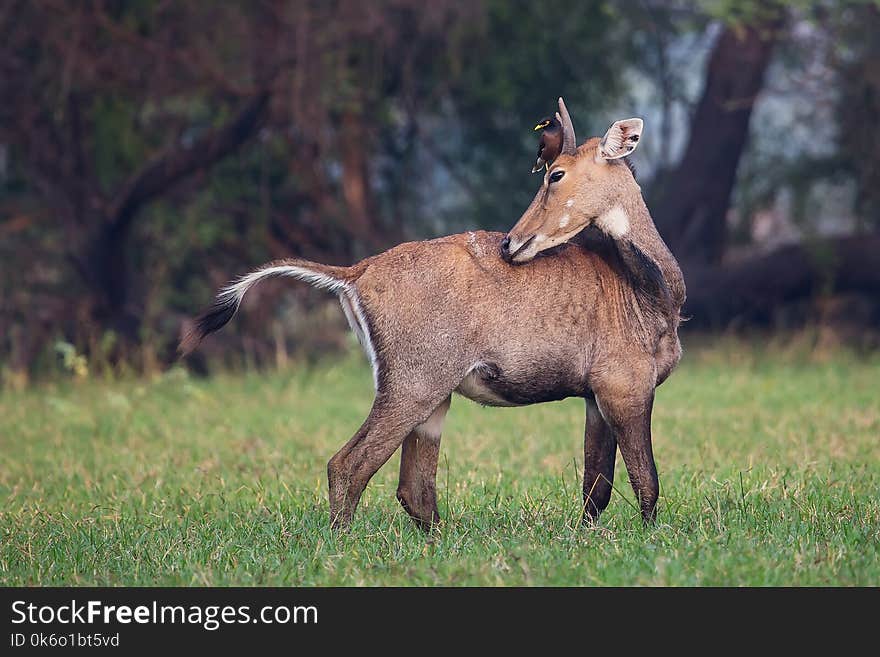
(212, 319)
(191, 339)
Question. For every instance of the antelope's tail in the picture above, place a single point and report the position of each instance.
(215, 317)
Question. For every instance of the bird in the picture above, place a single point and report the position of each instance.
(551, 142)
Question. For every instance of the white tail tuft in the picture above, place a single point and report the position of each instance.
(229, 298)
(236, 291)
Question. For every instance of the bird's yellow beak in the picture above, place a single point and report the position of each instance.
(542, 125)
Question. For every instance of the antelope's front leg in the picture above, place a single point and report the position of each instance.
(634, 437)
(600, 452)
(626, 402)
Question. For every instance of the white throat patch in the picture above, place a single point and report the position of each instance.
(615, 222)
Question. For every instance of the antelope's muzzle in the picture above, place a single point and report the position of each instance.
(510, 248)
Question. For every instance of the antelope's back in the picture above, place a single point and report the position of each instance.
(459, 287)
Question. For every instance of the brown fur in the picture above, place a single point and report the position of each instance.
(643, 298)
(597, 320)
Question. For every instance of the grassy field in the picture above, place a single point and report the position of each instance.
(769, 466)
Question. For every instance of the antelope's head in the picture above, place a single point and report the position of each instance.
(583, 186)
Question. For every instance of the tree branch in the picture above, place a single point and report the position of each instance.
(181, 160)
(750, 290)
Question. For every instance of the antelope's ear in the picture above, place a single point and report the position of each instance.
(620, 140)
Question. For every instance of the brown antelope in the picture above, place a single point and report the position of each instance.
(466, 314)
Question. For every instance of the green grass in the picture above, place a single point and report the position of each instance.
(769, 468)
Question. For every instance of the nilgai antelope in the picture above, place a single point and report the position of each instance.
(466, 314)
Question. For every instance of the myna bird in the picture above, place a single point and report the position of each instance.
(551, 142)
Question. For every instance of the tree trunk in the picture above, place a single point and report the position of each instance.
(858, 106)
(102, 260)
(692, 201)
(106, 275)
(356, 189)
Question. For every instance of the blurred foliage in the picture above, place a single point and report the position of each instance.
(386, 121)
(71, 361)
(858, 105)
(814, 154)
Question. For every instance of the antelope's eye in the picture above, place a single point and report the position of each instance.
(556, 176)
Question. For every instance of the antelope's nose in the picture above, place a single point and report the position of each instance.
(505, 248)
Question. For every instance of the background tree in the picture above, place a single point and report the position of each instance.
(150, 150)
(692, 200)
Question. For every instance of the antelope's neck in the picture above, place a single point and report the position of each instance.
(642, 232)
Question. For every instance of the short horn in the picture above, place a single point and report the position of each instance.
(569, 141)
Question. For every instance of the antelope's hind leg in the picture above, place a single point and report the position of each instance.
(390, 421)
(600, 452)
(417, 488)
